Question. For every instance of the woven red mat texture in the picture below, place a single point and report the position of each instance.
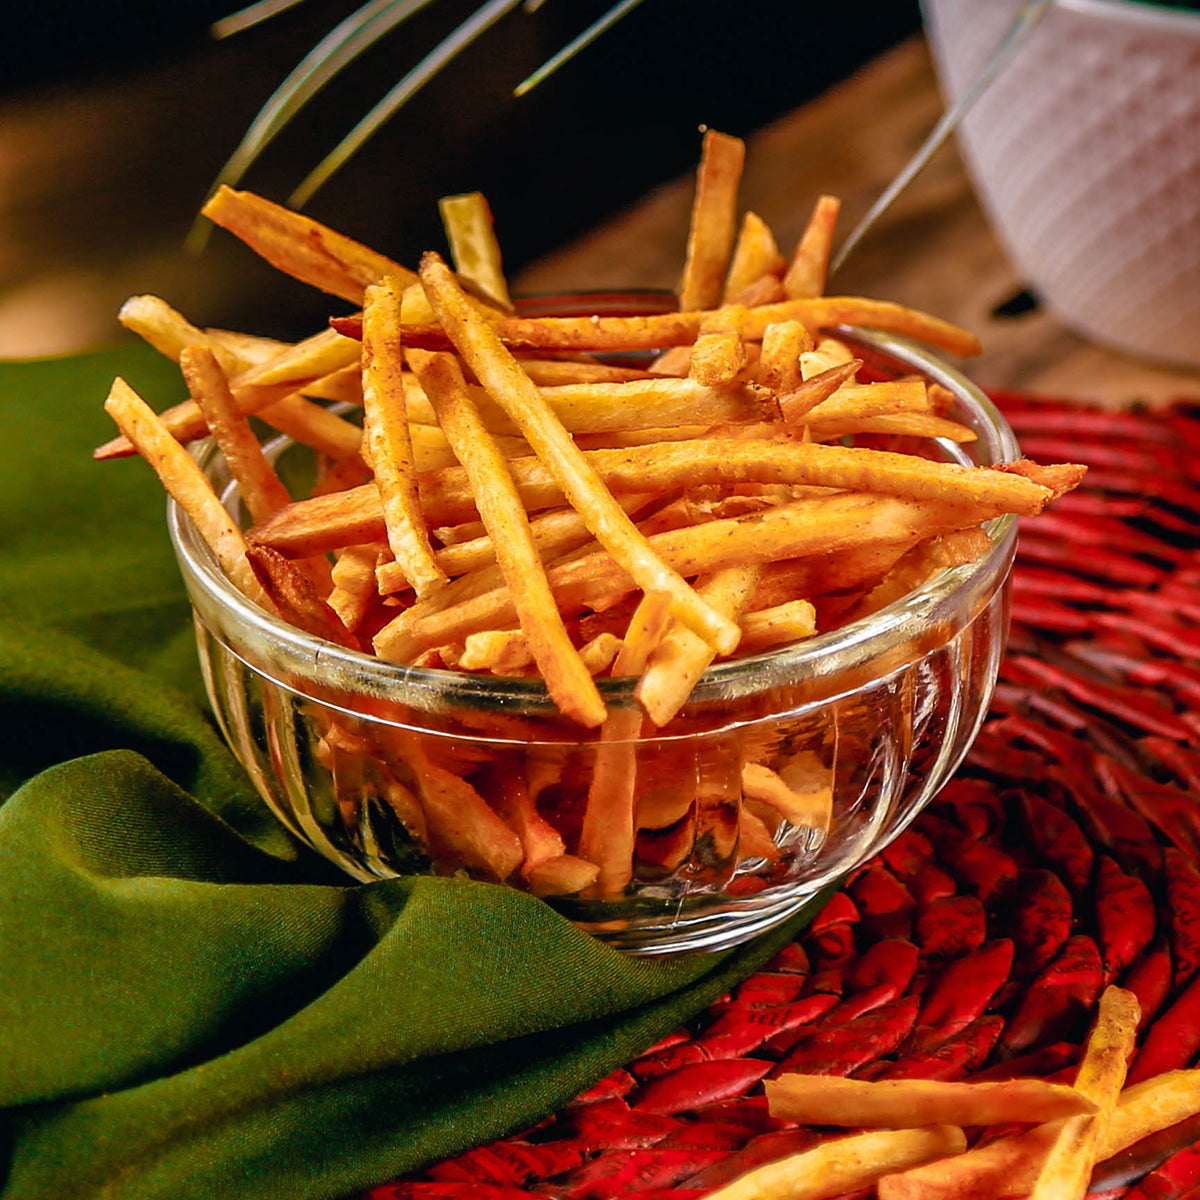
(1064, 856)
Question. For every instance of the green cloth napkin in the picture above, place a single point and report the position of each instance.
(192, 1005)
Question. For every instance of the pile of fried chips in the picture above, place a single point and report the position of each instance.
(1033, 1138)
(568, 497)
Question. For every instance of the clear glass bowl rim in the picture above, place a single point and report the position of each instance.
(331, 668)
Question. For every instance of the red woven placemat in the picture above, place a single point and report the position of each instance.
(1064, 856)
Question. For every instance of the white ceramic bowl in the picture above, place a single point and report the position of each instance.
(1085, 153)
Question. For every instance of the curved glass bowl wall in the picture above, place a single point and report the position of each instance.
(880, 711)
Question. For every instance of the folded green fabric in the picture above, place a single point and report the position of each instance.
(192, 1005)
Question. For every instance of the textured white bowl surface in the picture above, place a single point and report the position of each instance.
(1085, 153)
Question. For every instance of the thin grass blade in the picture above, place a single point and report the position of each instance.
(1022, 26)
(572, 48)
(487, 15)
(248, 17)
(345, 42)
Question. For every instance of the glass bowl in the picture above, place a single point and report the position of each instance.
(871, 718)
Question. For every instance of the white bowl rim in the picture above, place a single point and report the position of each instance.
(1143, 13)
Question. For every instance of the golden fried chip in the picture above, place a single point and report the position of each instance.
(295, 598)
(811, 807)
(387, 441)
(805, 276)
(467, 220)
(1068, 1166)
(300, 246)
(607, 836)
(844, 1165)
(714, 221)
(910, 1103)
(680, 658)
(755, 257)
(566, 677)
(260, 488)
(187, 485)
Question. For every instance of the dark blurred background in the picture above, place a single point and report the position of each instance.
(114, 119)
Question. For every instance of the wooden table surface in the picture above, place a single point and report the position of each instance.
(932, 250)
(68, 158)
